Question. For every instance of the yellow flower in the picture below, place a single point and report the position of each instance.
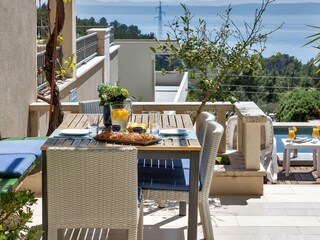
(294, 129)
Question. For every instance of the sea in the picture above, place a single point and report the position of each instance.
(297, 20)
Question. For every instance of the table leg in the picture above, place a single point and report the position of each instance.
(287, 161)
(44, 197)
(284, 160)
(318, 162)
(314, 158)
(193, 196)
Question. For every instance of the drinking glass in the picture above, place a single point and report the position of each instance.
(315, 134)
(291, 134)
(120, 113)
(154, 121)
(90, 123)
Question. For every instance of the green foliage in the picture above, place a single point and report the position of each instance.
(165, 63)
(109, 93)
(67, 64)
(42, 10)
(42, 22)
(84, 24)
(279, 73)
(315, 38)
(299, 105)
(15, 213)
(121, 31)
(222, 160)
(209, 56)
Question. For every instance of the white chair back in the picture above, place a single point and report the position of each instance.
(89, 188)
(201, 125)
(91, 106)
(209, 153)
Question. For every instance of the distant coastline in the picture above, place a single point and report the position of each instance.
(288, 40)
(275, 8)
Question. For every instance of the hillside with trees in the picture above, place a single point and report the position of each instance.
(121, 31)
(278, 74)
(269, 87)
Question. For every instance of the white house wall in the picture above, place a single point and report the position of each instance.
(17, 65)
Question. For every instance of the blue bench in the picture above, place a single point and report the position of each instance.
(18, 157)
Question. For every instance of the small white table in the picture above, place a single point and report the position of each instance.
(287, 146)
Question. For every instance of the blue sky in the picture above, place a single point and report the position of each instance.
(190, 2)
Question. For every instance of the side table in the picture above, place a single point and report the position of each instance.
(287, 146)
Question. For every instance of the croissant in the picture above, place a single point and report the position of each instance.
(129, 136)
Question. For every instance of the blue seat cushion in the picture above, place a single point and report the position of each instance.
(21, 146)
(15, 165)
(163, 178)
(165, 163)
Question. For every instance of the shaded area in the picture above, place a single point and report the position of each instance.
(298, 175)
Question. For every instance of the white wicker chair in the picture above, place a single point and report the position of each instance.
(200, 128)
(91, 106)
(268, 151)
(92, 188)
(201, 125)
(175, 186)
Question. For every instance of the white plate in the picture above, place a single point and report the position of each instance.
(75, 132)
(174, 131)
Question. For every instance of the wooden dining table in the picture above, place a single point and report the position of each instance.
(167, 148)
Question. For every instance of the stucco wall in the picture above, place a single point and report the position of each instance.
(136, 68)
(17, 65)
(114, 66)
(86, 85)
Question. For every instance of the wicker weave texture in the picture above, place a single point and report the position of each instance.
(91, 106)
(209, 152)
(201, 124)
(92, 188)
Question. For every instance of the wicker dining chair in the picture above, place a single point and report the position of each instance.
(90, 106)
(201, 124)
(92, 188)
(171, 164)
(200, 128)
(174, 185)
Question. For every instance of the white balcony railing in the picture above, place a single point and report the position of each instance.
(250, 119)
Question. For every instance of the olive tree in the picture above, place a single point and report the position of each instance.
(210, 56)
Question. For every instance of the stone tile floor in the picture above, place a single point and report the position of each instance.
(283, 212)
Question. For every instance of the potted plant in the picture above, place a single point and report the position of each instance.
(109, 94)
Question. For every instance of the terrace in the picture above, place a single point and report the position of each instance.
(283, 212)
(242, 206)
